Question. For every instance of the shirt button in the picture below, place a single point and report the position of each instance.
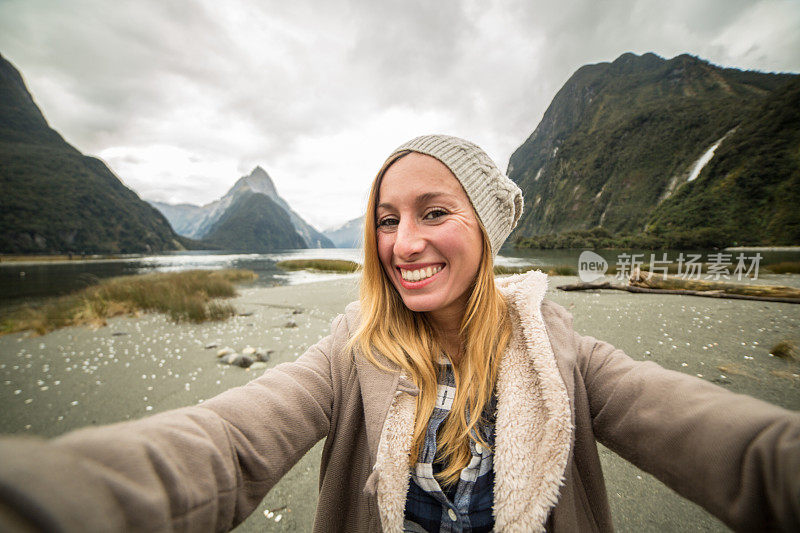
(452, 515)
(478, 448)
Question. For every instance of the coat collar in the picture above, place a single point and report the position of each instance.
(533, 427)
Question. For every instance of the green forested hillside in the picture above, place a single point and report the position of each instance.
(621, 138)
(254, 223)
(749, 193)
(54, 199)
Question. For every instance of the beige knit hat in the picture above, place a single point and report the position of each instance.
(496, 199)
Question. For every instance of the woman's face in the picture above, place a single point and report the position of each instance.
(429, 238)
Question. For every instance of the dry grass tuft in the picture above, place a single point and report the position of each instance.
(785, 349)
(785, 374)
(500, 270)
(785, 267)
(559, 270)
(322, 265)
(562, 270)
(734, 369)
(184, 296)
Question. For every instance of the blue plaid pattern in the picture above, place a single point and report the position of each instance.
(467, 505)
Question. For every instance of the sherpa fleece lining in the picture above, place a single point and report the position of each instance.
(533, 426)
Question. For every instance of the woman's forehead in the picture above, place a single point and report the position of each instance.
(420, 177)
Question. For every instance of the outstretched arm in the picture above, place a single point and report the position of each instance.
(736, 456)
(193, 469)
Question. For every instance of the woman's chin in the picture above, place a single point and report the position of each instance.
(433, 303)
(421, 304)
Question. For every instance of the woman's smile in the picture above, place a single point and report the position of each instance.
(418, 276)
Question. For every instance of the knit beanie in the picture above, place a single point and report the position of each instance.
(497, 200)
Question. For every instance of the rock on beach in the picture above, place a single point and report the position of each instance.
(226, 351)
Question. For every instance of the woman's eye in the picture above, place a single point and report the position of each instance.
(435, 213)
(387, 222)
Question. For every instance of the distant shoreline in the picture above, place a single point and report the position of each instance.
(12, 259)
(762, 249)
(63, 258)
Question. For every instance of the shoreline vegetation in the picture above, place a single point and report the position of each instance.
(48, 258)
(189, 296)
(342, 266)
(784, 267)
(319, 265)
(601, 238)
(338, 265)
(558, 270)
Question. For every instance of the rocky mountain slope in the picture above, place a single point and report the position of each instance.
(621, 142)
(348, 235)
(198, 222)
(55, 199)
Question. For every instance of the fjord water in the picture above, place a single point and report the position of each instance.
(33, 280)
(24, 281)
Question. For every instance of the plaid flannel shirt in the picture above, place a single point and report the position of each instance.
(466, 505)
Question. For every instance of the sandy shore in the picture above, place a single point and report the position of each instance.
(138, 366)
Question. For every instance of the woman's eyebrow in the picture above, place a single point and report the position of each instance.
(421, 199)
(430, 196)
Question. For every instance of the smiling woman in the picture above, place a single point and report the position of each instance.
(449, 401)
(433, 249)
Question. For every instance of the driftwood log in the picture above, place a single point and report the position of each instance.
(643, 282)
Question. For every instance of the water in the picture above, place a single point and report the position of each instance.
(32, 281)
(547, 258)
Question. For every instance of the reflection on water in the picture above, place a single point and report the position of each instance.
(20, 281)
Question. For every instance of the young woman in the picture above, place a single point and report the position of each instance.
(448, 402)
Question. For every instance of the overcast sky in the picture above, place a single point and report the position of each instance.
(182, 98)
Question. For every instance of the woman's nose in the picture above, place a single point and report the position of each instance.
(409, 241)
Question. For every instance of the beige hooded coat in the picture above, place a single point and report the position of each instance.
(207, 467)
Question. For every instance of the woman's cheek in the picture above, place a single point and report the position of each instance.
(385, 243)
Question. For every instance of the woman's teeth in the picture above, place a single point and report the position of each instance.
(419, 275)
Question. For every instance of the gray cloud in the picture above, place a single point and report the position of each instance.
(181, 98)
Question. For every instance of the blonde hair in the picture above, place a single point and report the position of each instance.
(408, 339)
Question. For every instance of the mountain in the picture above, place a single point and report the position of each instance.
(348, 235)
(749, 192)
(620, 139)
(180, 216)
(197, 222)
(254, 223)
(55, 199)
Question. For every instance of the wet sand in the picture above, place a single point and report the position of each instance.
(137, 366)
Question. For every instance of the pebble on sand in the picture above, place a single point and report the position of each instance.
(245, 362)
(225, 351)
(237, 359)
